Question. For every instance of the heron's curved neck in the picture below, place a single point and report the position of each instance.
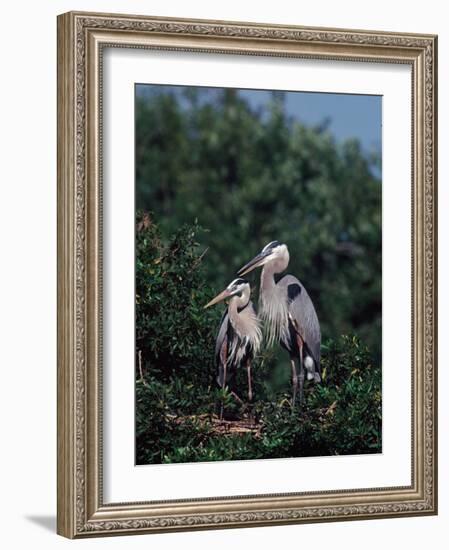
(237, 303)
(267, 281)
(270, 269)
(273, 306)
(244, 320)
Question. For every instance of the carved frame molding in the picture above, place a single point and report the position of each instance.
(81, 39)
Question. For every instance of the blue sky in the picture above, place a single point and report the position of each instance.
(348, 115)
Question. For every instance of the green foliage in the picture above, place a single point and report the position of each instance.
(171, 324)
(177, 397)
(253, 176)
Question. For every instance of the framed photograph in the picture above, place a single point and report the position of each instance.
(246, 274)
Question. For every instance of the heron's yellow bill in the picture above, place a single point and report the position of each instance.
(257, 261)
(222, 296)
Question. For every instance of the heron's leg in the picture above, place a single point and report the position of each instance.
(223, 386)
(232, 389)
(301, 374)
(250, 388)
(294, 381)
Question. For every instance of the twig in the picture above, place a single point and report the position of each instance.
(198, 260)
(220, 426)
(236, 397)
(140, 368)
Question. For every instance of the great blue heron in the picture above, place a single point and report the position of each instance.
(288, 313)
(239, 336)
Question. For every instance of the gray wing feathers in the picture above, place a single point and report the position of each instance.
(220, 342)
(303, 313)
(222, 335)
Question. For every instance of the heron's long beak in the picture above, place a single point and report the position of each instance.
(257, 261)
(222, 296)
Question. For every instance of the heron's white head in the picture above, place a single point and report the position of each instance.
(238, 288)
(274, 253)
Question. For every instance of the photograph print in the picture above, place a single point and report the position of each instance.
(258, 276)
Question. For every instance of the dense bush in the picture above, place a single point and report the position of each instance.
(173, 331)
(177, 397)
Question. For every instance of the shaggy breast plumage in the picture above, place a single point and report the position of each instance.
(246, 337)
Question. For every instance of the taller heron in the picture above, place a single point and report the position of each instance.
(239, 336)
(288, 313)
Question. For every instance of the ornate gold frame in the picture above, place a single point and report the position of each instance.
(81, 37)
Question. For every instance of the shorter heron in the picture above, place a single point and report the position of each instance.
(239, 336)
